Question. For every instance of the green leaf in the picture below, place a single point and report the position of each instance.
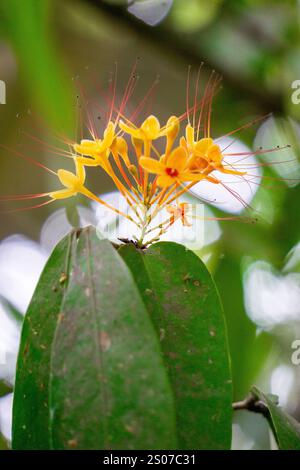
(93, 377)
(5, 388)
(31, 411)
(3, 443)
(109, 388)
(11, 311)
(286, 429)
(183, 302)
(246, 346)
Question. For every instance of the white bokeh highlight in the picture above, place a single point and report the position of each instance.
(6, 416)
(151, 12)
(9, 343)
(282, 382)
(21, 262)
(271, 298)
(281, 132)
(57, 226)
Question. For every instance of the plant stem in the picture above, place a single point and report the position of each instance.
(251, 403)
(144, 225)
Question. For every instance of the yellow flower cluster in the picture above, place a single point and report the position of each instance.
(175, 170)
(191, 161)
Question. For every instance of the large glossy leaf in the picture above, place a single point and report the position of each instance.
(109, 387)
(31, 412)
(286, 429)
(97, 366)
(184, 304)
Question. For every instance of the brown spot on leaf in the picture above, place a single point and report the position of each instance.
(130, 428)
(26, 349)
(148, 291)
(72, 443)
(105, 341)
(187, 277)
(172, 355)
(63, 278)
(60, 317)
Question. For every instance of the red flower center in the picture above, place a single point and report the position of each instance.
(172, 172)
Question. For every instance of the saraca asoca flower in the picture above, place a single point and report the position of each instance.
(205, 155)
(150, 176)
(171, 169)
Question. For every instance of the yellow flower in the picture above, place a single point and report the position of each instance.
(120, 147)
(149, 130)
(74, 184)
(138, 147)
(172, 129)
(97, 149)
(130, 157)
(172, 169)
(204, 155)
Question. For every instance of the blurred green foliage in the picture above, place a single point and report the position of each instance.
(27, 28)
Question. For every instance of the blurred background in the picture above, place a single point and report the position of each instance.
(50, 49)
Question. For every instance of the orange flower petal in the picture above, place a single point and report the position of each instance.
(88, 161)
(214, 153)
(138, 146)
(134, 132)
(80, 171)
(172, 127)
(164, 181)
(62, 194)
(182, 143)
(109, 135)
(68, 179)
(87, 148)
(189, 135)
(151, 165)
(151, 128)
(192, 176)
(177, 159)
(120, 146)
(203, 145)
